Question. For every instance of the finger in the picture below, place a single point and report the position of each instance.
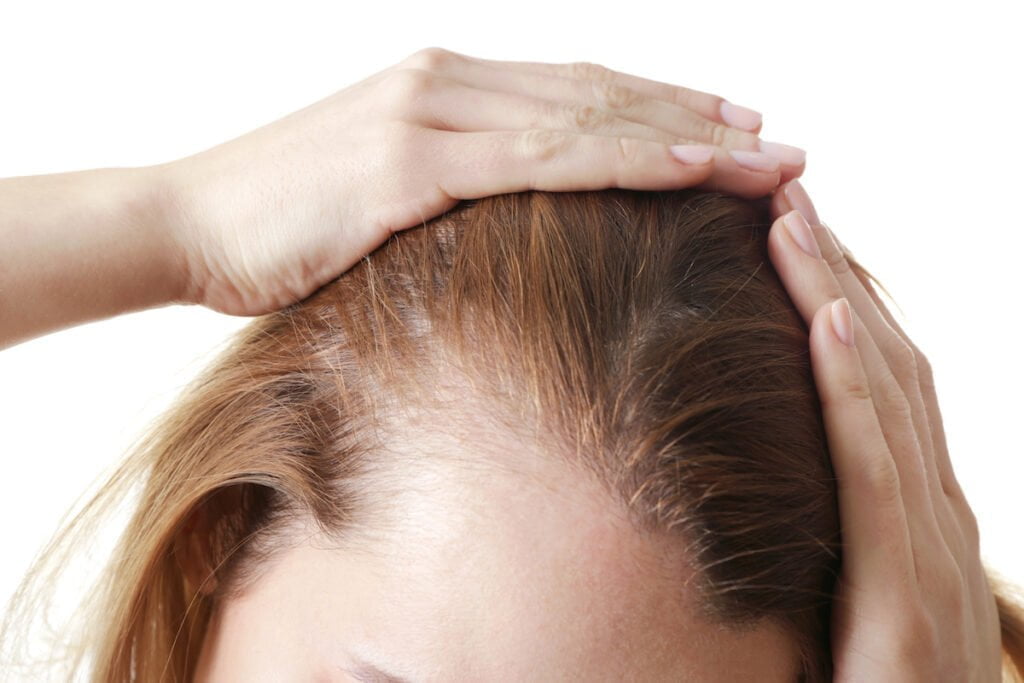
(878, 551)
(709, 106)
(457, 107)
(484, 163)
(902, 357)
(811, 282)
(948, 499)
(453, 106)
(792, 195)
(615, 99)
(894, 345)
(948, 481)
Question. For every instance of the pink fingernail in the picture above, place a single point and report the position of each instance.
(755, 161)
(692, 154)
(842, 320)
(801, 233)
(798, 199)
(787, 154)
(739, 117)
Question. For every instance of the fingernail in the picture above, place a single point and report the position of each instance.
(801, 233)
(755, 161)
(798, 199)
(842, 320)
(740, 117)
(787, 154)
(693, 154)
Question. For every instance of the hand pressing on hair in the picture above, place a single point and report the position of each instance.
(263, 220)
(270, 216)
(913, 600)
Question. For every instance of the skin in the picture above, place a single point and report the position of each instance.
(491, 573)
(261, 221)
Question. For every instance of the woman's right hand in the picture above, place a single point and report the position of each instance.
(913, 602)
(266, 218)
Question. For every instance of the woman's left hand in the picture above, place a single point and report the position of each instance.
(266, 218)
(913, 601)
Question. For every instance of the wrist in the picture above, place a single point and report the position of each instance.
(163, 213)
(84, 245)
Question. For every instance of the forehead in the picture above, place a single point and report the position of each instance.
(488, 573)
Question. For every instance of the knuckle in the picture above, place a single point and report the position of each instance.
(616, 97)
(857, 388)
(588, 71)
(968, 525)
(707, 131)
(430, 59)
(949, 589)
(628, 150)
(833, 255)
(900, 355)
(719, 134)
(891, 398)
(407, 86)
(738, 139)
(916, 636)
(688, 99)
(587, 117)
(540, 144)
(881, 481)
(924, 370)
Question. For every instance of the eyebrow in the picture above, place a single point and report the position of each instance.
(368, 673)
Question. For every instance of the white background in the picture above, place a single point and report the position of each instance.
(911, 115)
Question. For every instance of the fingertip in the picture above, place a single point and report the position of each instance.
(692, 155)
(842, 321)
(694, 164)
(821, 321)
(760, 184)
(822, 335)
(798, 198)
(790, 172)
(731, 177)
(830, 325)
(775, 247)
(740, 117)
(780, 205)
(756, 130)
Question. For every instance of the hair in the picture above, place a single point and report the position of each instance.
(642, 337)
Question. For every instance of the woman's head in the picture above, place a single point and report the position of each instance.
(543, 436)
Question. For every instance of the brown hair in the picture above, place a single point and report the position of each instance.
(643, 336)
